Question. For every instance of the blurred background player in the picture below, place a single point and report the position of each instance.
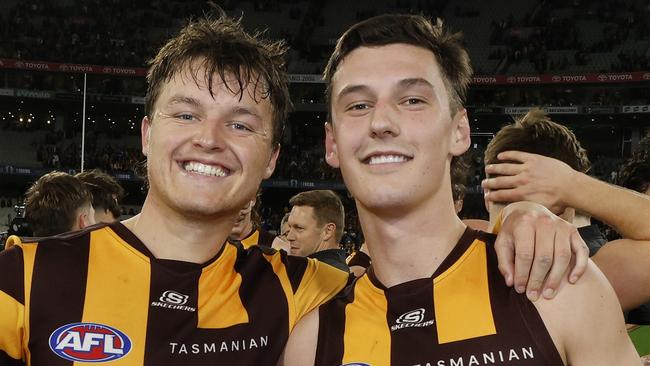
(635, 175)
(280, 242)
(563, 186)
(248, 229)
(549, 168)
(56, 203)
(316, 227)
(107, 194)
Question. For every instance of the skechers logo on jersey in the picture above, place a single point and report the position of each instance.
(89, 342)
(357, 364)
(173, 300)
(412, 319)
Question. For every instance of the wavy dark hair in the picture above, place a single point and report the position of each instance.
(224, 49)
(416, 30)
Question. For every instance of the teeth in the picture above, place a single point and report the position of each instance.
(385, 159)
(203, 169)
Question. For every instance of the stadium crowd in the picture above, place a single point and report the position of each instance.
(81, 31)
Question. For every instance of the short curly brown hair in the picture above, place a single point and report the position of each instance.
(51, 203)
(536, 133)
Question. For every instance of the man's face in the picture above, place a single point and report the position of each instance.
(284, 230)
(205, 155)
(391, 132)
(305, 235)
(243, 225)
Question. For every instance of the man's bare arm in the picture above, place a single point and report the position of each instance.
(301, 347)
(556, 185)
(626, 265)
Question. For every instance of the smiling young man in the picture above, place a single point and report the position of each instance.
(433, 294)
(165, 287)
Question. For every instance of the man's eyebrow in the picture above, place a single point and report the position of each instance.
(352, 89)
(246, 111)
(410, 82)
(183, 99)
(402, 84)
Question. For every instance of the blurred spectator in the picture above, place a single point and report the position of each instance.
(57, 203)
(316, 227)
(106, 193)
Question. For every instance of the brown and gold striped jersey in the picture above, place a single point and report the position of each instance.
(463, 315)
(99, 295)
(258, 237)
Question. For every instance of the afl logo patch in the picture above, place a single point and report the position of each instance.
(89, 342)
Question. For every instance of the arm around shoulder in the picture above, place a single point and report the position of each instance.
(625, 210)
(587, 325)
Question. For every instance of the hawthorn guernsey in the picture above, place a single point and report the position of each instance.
(237, 308)
(463, 315)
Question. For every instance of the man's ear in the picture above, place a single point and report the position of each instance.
(331, 150)
(85, 217)
(270, 167)
(329, 231)
(460, 137)
(145, 131)
(82, 220)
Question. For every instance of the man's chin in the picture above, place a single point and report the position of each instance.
(201, 212)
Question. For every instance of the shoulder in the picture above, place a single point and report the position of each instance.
(254, 249)
(588, 307)
(591, 287)
(13, 271)
(64, 238)
(11, 259)
(333, 257)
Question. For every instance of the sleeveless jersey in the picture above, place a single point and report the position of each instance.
(99, 295)
(463, 315)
